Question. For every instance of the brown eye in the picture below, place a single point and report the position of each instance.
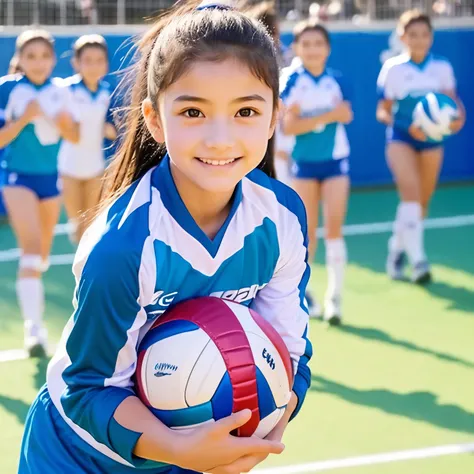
(193, 113)
(246, 113)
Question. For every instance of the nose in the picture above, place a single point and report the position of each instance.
(219, 135)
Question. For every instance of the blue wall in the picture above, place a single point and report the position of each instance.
(357, 55)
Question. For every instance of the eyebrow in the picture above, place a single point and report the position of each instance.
(192, 98)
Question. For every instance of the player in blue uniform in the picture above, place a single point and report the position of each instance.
(33, 108)
(414, 162)
(200, 217)
(13, 68)
(317, 108)
(82, 164)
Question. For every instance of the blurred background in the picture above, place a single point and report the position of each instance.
(393, 388)
(363, 37)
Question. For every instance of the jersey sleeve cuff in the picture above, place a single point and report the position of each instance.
(119, 439)
(300, 387)
(123, 441)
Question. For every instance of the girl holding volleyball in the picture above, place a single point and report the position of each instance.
(82, 164)
(414, 162)
(189, 210)
(33, 107)
(317, 108)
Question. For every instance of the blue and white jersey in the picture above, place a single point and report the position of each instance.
(146, 252)
(405, 82)
(85, 159)
(316, 96)
(35, 149)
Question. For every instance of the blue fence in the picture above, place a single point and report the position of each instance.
(358, 56)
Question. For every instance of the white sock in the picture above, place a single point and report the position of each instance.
(336, 258)
(395, 243)
(410, 221)
(30, 294)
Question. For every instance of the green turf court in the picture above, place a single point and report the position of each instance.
(399, 375)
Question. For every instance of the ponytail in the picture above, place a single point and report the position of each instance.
(138, 151)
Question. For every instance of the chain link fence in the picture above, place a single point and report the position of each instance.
(133, 12)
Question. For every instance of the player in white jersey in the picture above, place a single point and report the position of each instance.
(284, 143)
(33, 107)
(200, 217)
(415, 163)
(317, 107)
(82, 164)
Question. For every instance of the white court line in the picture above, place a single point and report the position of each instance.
(371, 459)
(11, 255)
(12, 355)
(332, 464)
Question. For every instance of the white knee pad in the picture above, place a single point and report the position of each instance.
(31, 262)
(45, 264)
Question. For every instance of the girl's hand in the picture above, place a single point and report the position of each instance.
(110, 132)
(417, 133)
(247, 463)
(457, 125)
(32, 111)
(343, 113)
(206, 447)
(68, 129)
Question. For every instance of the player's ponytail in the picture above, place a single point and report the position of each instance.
(181, 36)
(138, 151)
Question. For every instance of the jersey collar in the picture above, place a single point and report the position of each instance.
(36, 86)
(163, 180)
(316, 79)
(93, 94)
(423, 63)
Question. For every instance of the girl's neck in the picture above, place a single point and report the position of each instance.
(208, 209)
(91, 85)
(417, 58)
(316, 70)
(36, 83)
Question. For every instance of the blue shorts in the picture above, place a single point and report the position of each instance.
(50, 446)
(398, 135)
(45, 186)
(320, 170)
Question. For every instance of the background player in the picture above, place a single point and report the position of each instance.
(414, 162)
(82, 164)
(33, 107)
(317, 108)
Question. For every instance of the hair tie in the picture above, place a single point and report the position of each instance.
(225, 5)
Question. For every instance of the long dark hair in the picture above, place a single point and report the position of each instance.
(180, 37)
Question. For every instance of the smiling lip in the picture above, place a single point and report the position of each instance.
(218, 162)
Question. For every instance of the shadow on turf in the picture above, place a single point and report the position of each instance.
(370, 251)
(460, 298)
(422, 406)
(18, 407)
(373, 334)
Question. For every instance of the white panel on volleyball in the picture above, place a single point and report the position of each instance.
(166, 391)
(269, 422)
(274, 372)
(206, 376)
